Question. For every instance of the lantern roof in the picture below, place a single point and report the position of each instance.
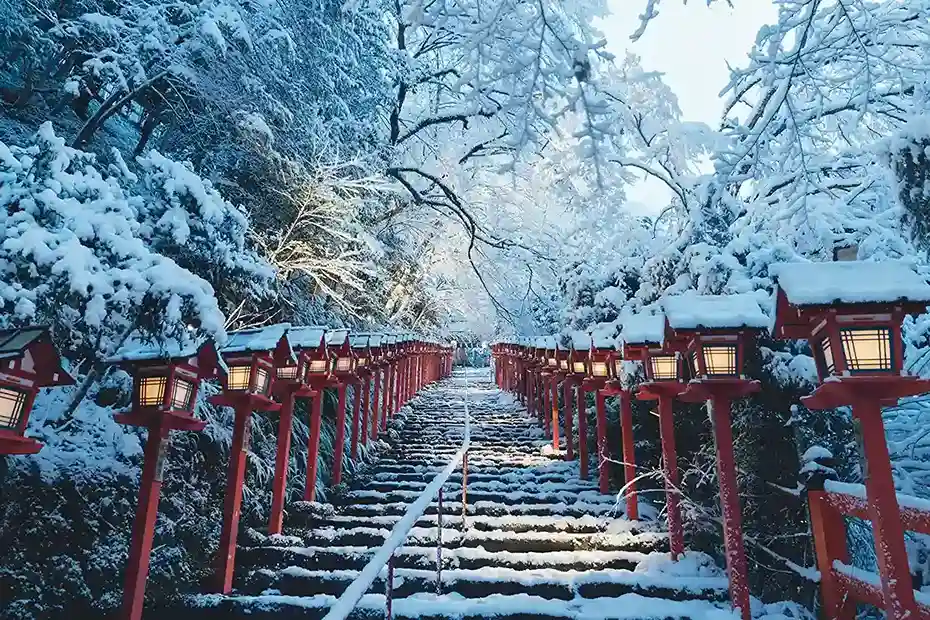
(643, 329)
(602, 338)
(307, 336)
(388, 339)
(581, 341)
(849, 282)
(15, 343)
(138, 348)
(375, 340)
(359, 341)
(694, 312)
(256, 340)
(547, 342)
(337, 337)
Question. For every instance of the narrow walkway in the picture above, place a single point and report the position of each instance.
(538, 543)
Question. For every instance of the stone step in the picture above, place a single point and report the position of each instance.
(546, 583)
(513, 523)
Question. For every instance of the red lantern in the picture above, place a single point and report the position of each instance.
(715, 331)
(165, 383)
(851, 313)
(644, 340)
(28, 362)
(251, 357)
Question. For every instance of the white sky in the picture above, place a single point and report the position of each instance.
(691, 44)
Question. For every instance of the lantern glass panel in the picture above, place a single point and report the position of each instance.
(664, 367)
(11, 407)
(238, 378)
(344, 364)
(867, 349)
(317, 367)
(152, 391)
(563, 364)
(182, 396)
(599, 369)
(829, 363)
(553, 362)
(262, 381)
(719, 359)
(578, 367)
(362, 362)
(287, 372)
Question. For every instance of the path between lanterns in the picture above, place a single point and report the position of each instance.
(538, 542)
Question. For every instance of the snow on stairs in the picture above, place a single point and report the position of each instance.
(539, 543)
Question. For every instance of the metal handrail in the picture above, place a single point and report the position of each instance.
(385, 554)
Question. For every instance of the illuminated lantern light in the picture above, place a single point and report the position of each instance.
(851, 312)
(714, 331)
(28, 362)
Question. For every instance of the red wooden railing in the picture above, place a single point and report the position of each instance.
(843, 585)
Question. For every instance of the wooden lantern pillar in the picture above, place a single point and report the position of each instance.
(251, 356)
(599, 372)
(578, 361)
(376, 346)
(716, 330)
(289, 385)
(165, 385)
(360, 345)
(344, 374)
(644, 340)
(320, 365)
(28, 363)
(851, 314)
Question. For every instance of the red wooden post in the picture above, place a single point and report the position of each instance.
(729, 501)
(887, 530)
(603, 466)
(143, 527)
(629, 455)
(313, 444)
(829, 530)
(340, 444)
(676, 534)
(375, 405)
(282, 458)
(531, 398)
(554, 398)
(386, 395)
(582, 432)
(361, 395)
(226, 555)
(569, 414)
(546, 413)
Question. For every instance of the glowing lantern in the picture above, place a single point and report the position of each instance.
(28, 362)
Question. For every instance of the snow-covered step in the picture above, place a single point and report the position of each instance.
(427, 605)
(355, 558)
(492, 508)
(513, 523)
(543, 582)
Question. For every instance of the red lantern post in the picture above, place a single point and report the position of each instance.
(851, 314)
(578, 359)
(251, 356)
(717, 329)
(360, 406)
(337, 341)
(28, 362)
(320, 374)
(290, 384)
(600, 372)
(644, 340)
(165, 384)
(376, 343)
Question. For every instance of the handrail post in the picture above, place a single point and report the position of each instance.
(439, 545)
(389, 590)
(464, 491)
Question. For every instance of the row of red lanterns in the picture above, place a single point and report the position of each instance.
(850, 313)
(262, 369)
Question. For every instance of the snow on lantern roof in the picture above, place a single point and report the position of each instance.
(306, 336)
(14, 341)
(581, 341)
(602, 338)
(336, 337)
(644, 329)
(375, 340)
(359, 341)
(255, 340)
(851, 282)
(692, 311)
(137, 348)
(388, 339)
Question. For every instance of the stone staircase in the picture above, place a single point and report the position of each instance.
(537, 541)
